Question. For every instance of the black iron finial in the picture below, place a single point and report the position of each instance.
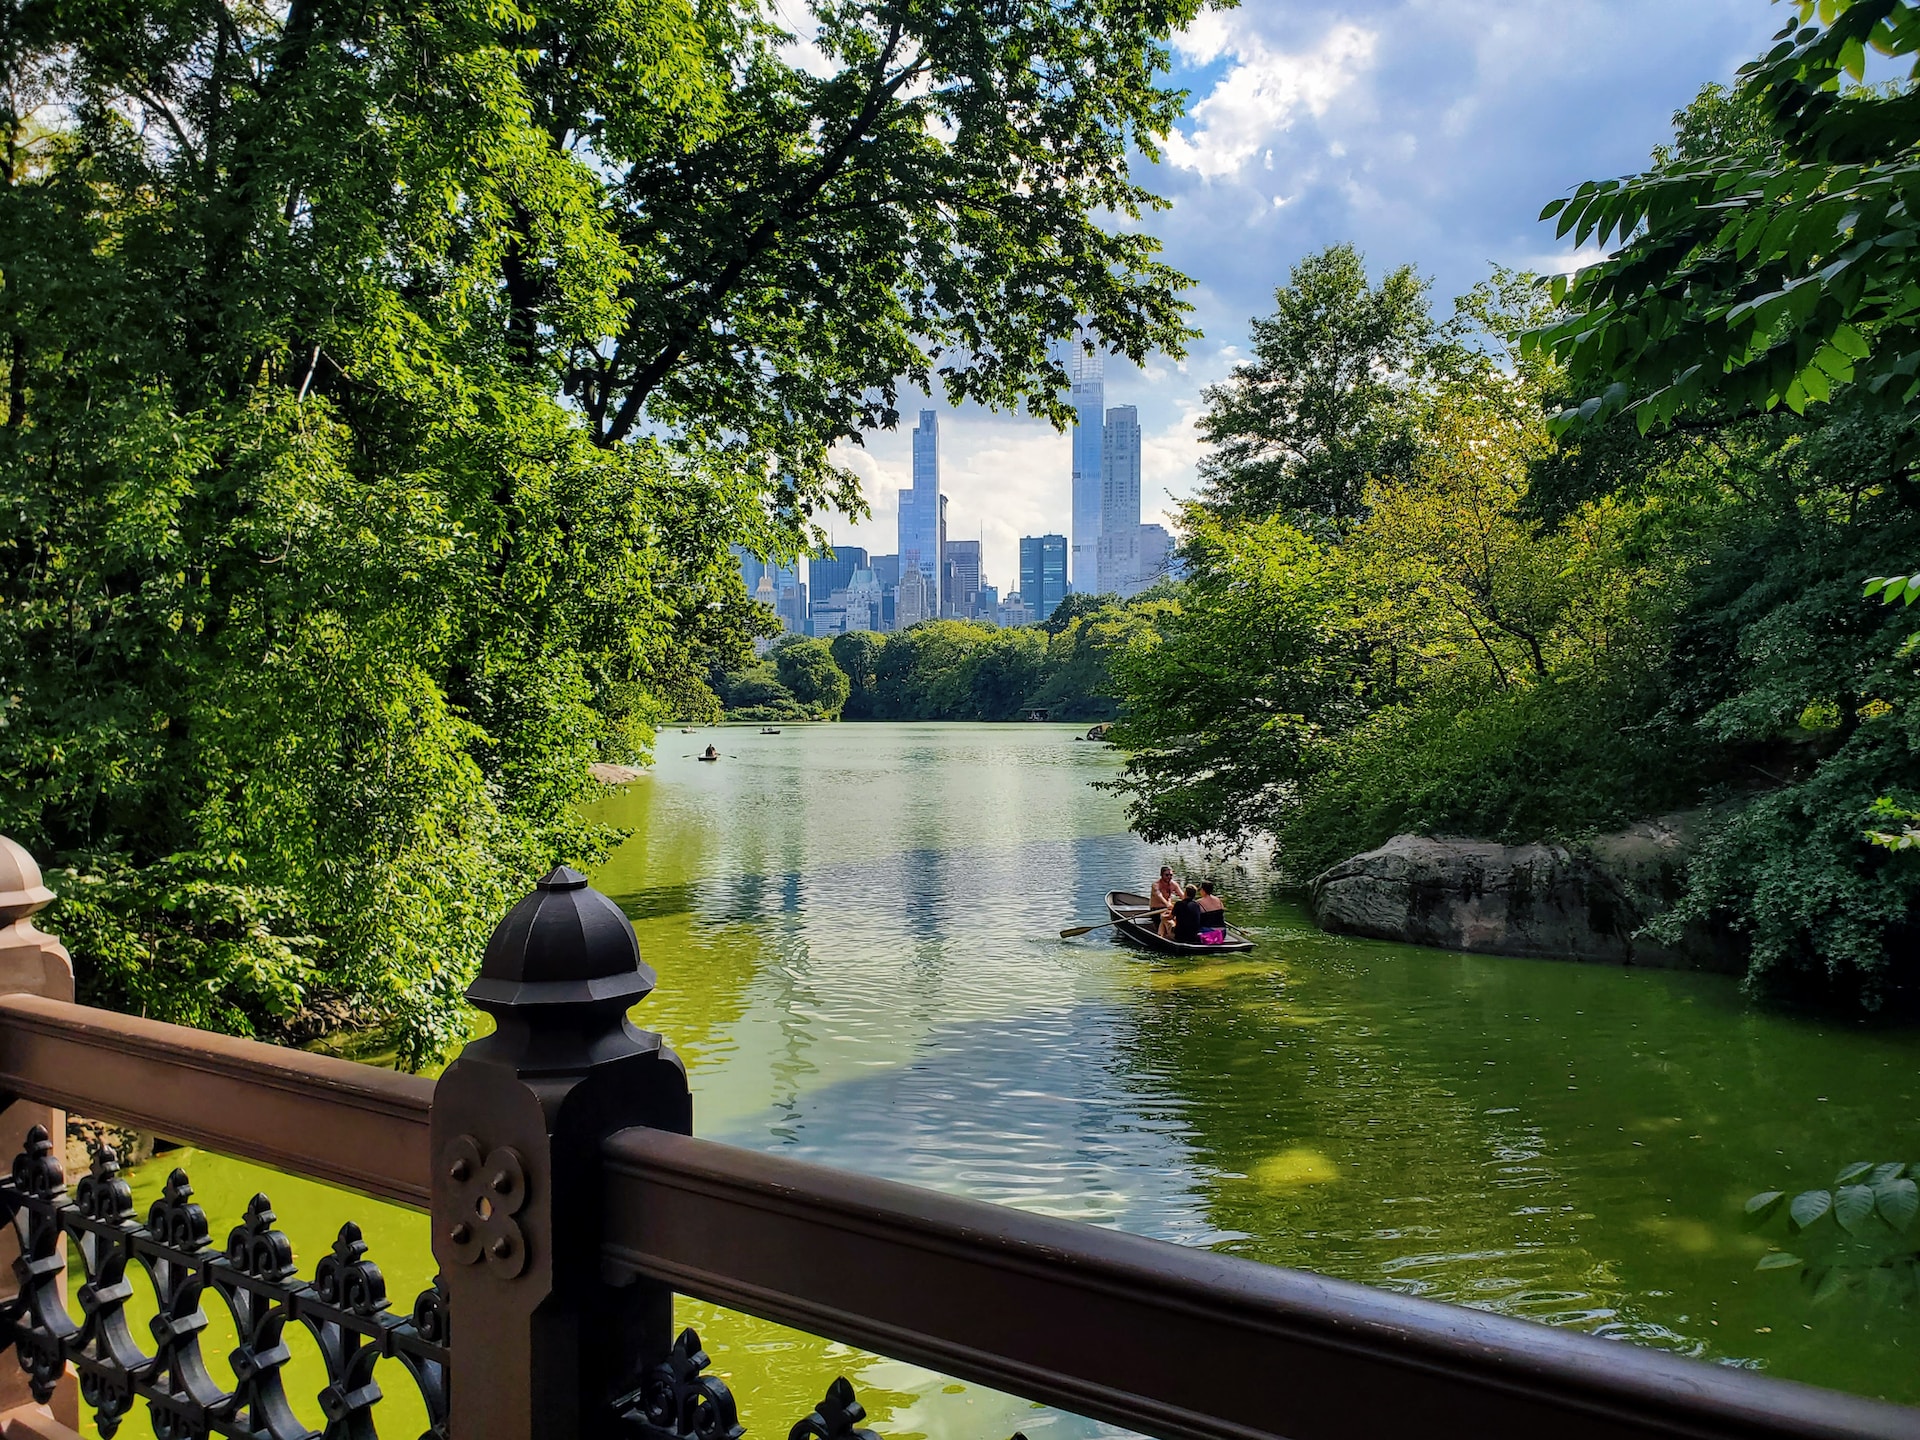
(566, 944)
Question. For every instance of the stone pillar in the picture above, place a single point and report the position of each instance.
(545, 1343)
(31, 963)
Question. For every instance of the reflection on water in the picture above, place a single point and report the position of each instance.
(858, 956)
(855, 932)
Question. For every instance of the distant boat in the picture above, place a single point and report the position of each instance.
(768, 730)
(1130, 913)
(688, 730)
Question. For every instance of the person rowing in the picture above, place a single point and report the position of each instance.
(1165, 892)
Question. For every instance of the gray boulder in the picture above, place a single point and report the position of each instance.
(1540, 900)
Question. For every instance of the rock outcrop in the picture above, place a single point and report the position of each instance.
(1541, 900)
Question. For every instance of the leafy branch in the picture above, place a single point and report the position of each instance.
(1854, 1227)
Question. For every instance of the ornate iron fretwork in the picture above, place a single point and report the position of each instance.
(679, 1401)
(836, 1417)
(344, 1307)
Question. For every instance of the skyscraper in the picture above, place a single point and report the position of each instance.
(826, 576)
(1156, 553)
(1087, 367)
(1043, 573)
(923, 510)
(1120, 501)
(915, 600)
(962, 577)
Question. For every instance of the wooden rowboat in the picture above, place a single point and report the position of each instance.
(1130, 914)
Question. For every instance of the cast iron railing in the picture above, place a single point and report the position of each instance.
(570, 1203)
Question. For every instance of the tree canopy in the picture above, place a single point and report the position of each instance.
(382, 387)
(1749, 275)
(1319, 409)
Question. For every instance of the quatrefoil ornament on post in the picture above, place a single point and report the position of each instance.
(486, 1192)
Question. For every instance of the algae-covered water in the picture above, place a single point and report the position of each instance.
(855, 932)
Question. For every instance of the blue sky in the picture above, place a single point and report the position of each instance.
(1427, 132)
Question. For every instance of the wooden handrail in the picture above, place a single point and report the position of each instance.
(357, 1126)
(1177, 1342)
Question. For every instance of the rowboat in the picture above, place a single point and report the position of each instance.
(1130, 912)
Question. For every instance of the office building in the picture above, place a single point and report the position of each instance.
(1087, 368)
(863, 605)
(1120, 502)
(1014, 612)
(886, 573)
(828, 575)
(1043, 573)
(779, 588)
(962, 579)
(914, 600)
(923, 509)
(986, 605)
(752, 567)
(1155, 554)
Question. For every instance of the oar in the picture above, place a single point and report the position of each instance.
(1089, 929)
(1086, 929)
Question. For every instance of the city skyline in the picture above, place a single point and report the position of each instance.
(1106, 549)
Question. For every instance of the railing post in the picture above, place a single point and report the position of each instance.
(32, 962)
(543, 1342)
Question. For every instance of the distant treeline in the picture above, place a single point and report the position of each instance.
(948, 669)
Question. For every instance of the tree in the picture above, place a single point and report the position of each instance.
(1320, 408)
(807, 669)
(1758, 276)
(383, 386)
(1005, 671)
(1224, 713)
(856, 653)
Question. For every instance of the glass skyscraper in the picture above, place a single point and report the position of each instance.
(922, 517)
(1087, 367)
(1043, 573)
(1120, 502)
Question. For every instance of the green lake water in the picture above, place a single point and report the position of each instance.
(855, 928)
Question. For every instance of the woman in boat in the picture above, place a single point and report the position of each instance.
(1213, 915)
(1186, 917)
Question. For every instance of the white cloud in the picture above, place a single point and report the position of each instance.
(1262, 91)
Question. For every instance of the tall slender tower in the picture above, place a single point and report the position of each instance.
(1120, 502)
(923, 510)
(1087, 367)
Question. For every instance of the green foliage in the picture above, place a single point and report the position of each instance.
(1855, 1234)
(1516, 765)
(1454, 662)
(380, 389)
(857, 653)
(1228, 709)
(1753, 276)
(807, 670)
(1907, 837)
(959, 670)
(1319, 411)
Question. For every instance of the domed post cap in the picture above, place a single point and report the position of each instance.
(565, 944)
(21, 893)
